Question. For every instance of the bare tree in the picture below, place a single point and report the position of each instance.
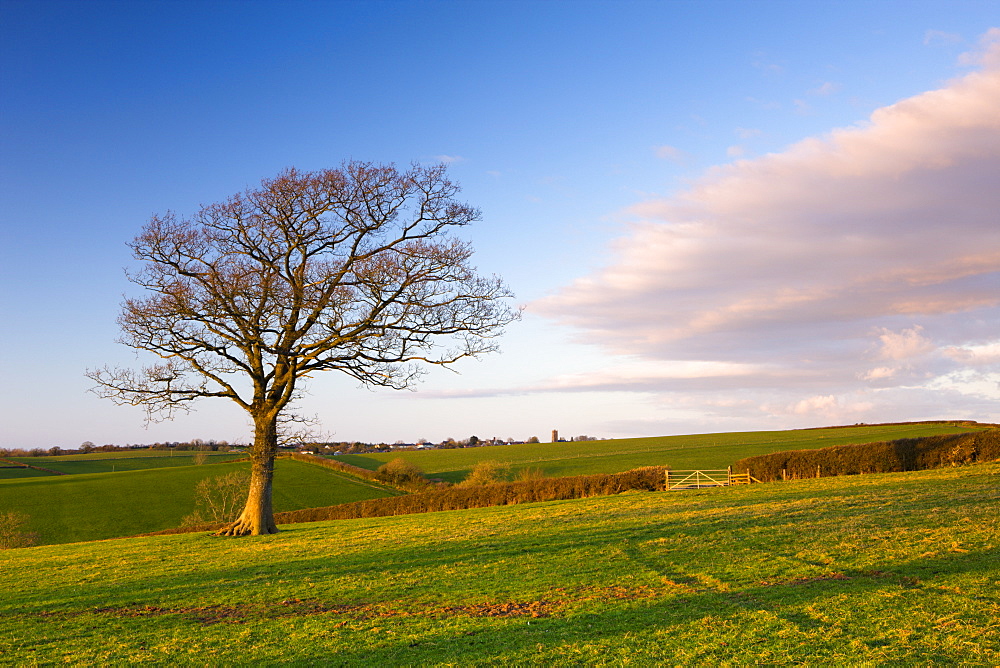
(350, 269)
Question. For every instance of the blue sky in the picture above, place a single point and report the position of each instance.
(719, 215)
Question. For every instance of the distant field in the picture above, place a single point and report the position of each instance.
(8, 473)
(93, 506)
(869, 570)
(699, 451)
(112, 462)
(126, 454)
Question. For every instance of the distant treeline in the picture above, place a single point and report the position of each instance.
(88, 447)
(905, 454)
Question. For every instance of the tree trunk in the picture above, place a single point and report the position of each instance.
(257, 517)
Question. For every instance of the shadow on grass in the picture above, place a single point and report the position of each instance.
(395, 632)
(399, 585)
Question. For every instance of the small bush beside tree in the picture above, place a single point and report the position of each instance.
(218, 499)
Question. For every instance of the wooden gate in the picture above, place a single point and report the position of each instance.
(678, 479)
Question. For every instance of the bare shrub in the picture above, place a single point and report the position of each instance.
(200, 457)
(403, 475)
(219, 499)
(399, 471)
(530, 473)
(486, 472)
(12, 533)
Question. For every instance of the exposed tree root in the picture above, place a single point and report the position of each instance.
(243, 527)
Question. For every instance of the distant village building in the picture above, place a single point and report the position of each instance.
(555, 435)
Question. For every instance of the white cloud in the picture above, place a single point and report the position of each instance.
(763, 62)
(814, 404)
(879, 373)
(871, 254)
(905, 344)
(832, 408)
(767, 105)
(826, 88)
(940, 37)
(671, 153)
(748, 133)
(977, 356)
(986, 52)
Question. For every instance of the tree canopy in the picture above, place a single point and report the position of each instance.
(351, 269)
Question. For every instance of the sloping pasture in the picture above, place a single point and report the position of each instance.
(83, 507)
(697, 451)
(112, 462)
(886, 569)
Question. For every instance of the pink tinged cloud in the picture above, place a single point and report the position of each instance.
(875, 243)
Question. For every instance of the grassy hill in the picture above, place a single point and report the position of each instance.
(116, 462)
(889, 569)
(121, 494)
(93, 506)
(696, 451)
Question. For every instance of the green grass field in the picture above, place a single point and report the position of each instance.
(698, 451)
(118, 494)
(117, 462)
(93, 506)
(123, 454)
(880, 570)
(9, 473)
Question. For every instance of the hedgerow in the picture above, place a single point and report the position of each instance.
(649, 478)
(334, 464)
(905, 454)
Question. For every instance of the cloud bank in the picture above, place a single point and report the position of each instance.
(851, 276)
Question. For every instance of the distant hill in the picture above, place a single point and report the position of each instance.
(694, 451)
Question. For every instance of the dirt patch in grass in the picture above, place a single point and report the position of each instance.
(804, 581)
(505, 609)
(215, 614)
(555, 605)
